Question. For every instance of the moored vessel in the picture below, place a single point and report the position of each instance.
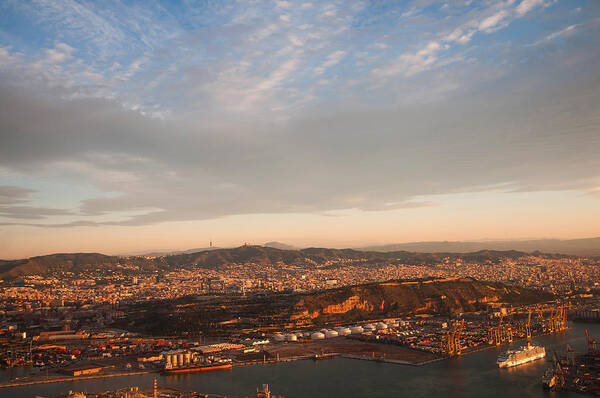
(549, 379)
(186, 361)
(522, 355)
(198, 368)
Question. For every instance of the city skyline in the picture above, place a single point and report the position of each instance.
(138, 126)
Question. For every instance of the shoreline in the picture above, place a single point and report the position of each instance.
(67, 379)
(262, 362)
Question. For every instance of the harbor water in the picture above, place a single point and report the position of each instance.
(472, 375)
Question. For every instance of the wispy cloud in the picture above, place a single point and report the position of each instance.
(565, 32)
(187, 112)
(332, 59)
(527, 5)
(409, 64)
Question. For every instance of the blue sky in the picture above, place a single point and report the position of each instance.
(144, 114)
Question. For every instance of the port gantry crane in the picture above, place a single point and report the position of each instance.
(556, 321)
(501, 333)
(592, 349)
(448, 342)
(528, 329)
(457, 346)
(559, 372)
(560, 320)
(570, 356)
(451, 343)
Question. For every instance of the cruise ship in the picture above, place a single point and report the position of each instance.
(518, 357)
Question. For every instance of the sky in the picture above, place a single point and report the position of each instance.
(144, 125)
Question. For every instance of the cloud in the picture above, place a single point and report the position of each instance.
(283, 4)
(13, 201)
(409, 64)
(259, 115)
(10, 195)
(61, 53)
(491, 22)
(459, 36)
(565, 32)
(527, 5)
(322, 160)
(30, 212)
(332, 59)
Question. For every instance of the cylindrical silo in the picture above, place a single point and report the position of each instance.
(331, 333)
(357, 329)
(369, 327)
(291, 337)
(344, 331)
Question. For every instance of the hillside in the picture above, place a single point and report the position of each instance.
(221, 315)
(69, 262)
(398, 298)
(215, 258)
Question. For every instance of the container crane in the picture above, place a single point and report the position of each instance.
(591, 343)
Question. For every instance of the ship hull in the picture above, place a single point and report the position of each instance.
(197, 369)
(516, 362)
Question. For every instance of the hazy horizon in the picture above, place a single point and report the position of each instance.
(357, 246)
(134, 125)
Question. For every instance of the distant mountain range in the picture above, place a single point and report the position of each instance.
(279, 245)
(215, 258)
(576, 247)
(160, 253)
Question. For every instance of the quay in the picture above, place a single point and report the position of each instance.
(66, 379)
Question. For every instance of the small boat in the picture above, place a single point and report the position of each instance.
(317, 357)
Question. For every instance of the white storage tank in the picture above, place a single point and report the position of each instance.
(338, 328)
(307, 334)
(291, 337)
(278, 337)
(344, 331)
(317, 336)
(331, 333)
(369, 327)
(381, 326)
(356, 329)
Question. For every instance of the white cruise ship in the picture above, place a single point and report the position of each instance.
(518, 357)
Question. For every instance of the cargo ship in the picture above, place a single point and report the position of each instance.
(518, 357)
(186, 361)
(549, 379)
(197, 367)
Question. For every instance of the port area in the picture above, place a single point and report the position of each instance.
(350, 348)
(56, 377)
